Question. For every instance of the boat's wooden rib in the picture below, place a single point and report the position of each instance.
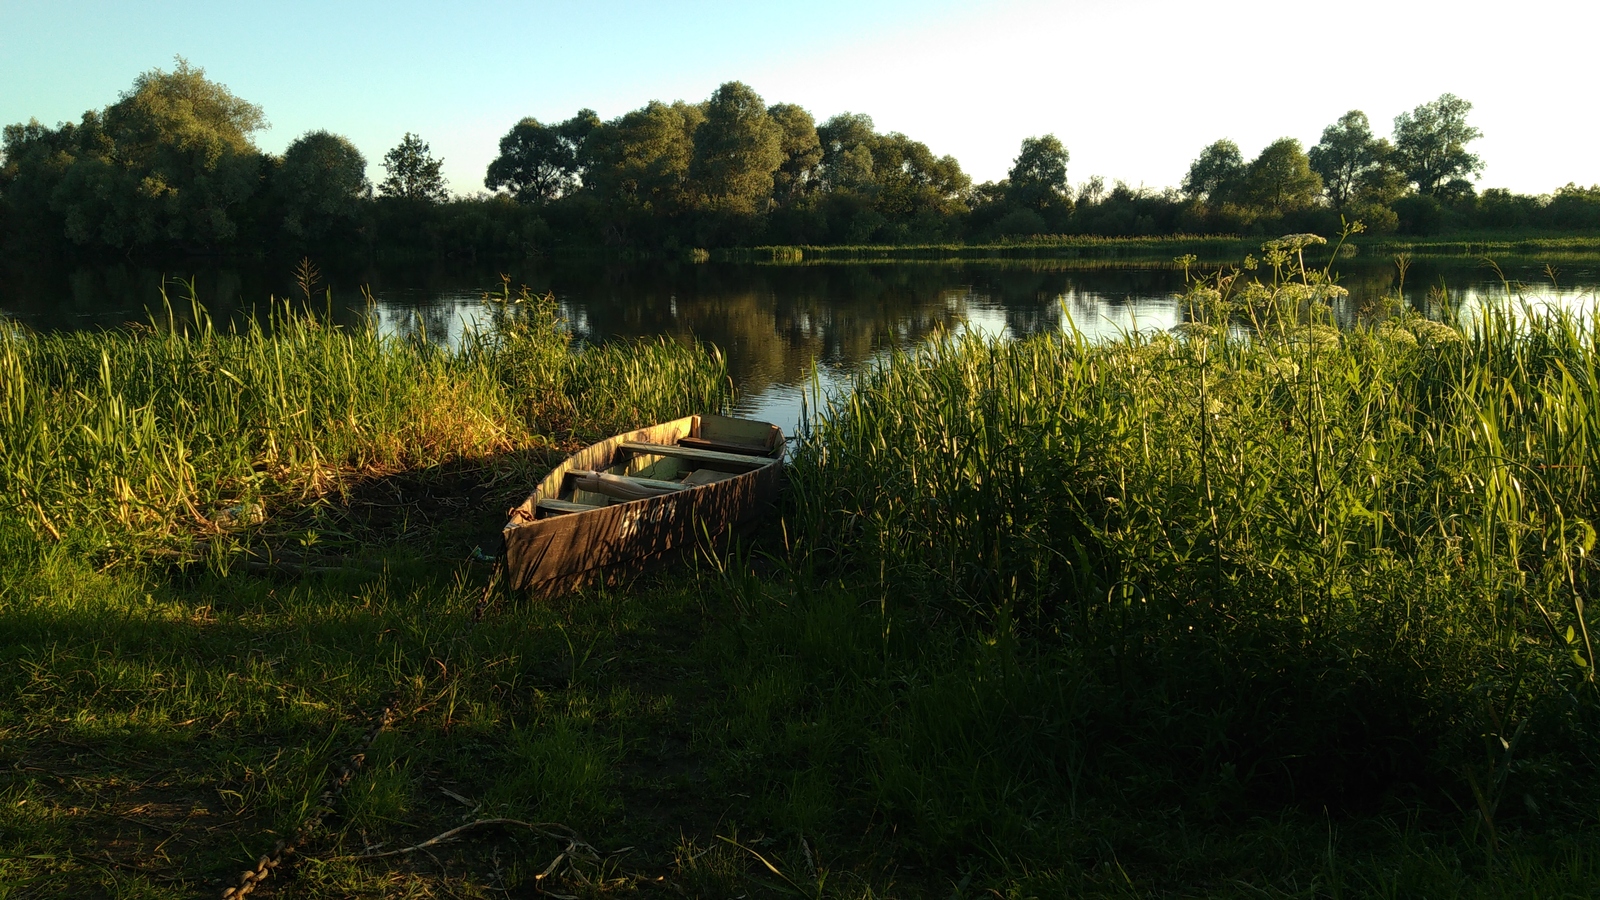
(564, 534)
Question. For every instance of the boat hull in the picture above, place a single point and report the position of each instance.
(555, 554)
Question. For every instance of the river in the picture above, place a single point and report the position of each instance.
(774, 322)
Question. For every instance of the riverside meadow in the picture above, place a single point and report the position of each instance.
(1264, 605)
(1180, 499)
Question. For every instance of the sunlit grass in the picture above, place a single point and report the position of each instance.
(170, 436)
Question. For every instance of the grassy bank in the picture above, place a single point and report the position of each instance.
(1259, 608)
(1161, 249)
(1308, 568)
(168, 437)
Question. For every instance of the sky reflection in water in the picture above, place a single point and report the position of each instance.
(773, 322)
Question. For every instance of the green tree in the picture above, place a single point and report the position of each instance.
(737, 151)
(1216, 174)
(33, 161)
(887, 186)
(641, 160)
(802, 151)
(1280, 180)
(1038, 176)
(171, 163)
(413, 173)
(846, 141)
(320, 184)
(1430, 144)
(1346, 156)
(540, 162)
(913, 189)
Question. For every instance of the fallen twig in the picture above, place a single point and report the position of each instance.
(574, 844)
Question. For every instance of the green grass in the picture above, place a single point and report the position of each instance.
(1086, 248)
(1522, 243)
(1158, 250)
(1299, 564)
(173, 437)
(1260, 609)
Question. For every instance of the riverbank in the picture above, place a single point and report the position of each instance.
(1162, 249)
(1174, 615)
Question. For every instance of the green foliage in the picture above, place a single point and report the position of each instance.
(846, 141)
(1258, 607)
(1038, 176)
(412, 173)
(1276, 184)
(1280, 180)
(802, 151)
(737, 150)
(33, 160)
(170, 168)
(884, 187)
(638, 165)
(1216, 173)
(321, 182)
(1430, 144)
(170, 164)
(540, 162)
(1347, 157)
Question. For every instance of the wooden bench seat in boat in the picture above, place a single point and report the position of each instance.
(563, 506)
(725, 446)
(693, 479)
(622, 487)
(694, 454)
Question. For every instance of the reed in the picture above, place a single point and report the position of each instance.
(169, 435)
(1149, 250)
(1342, 560)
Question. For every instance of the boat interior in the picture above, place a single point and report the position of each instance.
(663, 459)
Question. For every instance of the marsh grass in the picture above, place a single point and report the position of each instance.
(172, 437)
(1156, 249)
(1273, 561)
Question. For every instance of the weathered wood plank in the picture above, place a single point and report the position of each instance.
(562, 506)
(725, 446)
(690, 453)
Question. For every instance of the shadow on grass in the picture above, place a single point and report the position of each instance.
(438, 514)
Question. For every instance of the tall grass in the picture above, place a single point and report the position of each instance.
(1149, 249)
(160, 436)
(1305, 562)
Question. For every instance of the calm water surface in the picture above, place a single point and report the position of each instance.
(773, 322)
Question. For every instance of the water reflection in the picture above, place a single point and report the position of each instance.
(773, 322)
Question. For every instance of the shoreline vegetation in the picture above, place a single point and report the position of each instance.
(1166, 249)
(1259, 606)
(171, 168)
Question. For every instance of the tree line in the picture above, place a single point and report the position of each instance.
(172, 166)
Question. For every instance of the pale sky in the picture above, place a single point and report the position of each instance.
(1135, 89)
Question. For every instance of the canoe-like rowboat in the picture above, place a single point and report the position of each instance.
(616, 505)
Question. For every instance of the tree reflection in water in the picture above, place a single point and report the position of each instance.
(773, 321)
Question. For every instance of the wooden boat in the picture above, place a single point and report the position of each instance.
(640, 495)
